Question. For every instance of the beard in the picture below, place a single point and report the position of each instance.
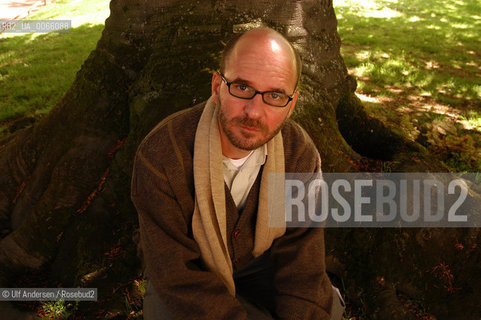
(245, 140)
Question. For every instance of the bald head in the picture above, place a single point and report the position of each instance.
(262, 43)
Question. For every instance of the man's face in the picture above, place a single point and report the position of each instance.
(248, 124)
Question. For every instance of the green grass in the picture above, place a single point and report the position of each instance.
(420, 60)
(57, 309)
(430, 45)
(472, 119)
(37, 69)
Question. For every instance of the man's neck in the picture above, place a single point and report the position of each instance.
(235, 154)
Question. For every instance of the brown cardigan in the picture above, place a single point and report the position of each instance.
(163, 193)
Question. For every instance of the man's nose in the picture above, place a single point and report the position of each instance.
(254, 107)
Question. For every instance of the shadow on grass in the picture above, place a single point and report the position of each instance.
(37, 69)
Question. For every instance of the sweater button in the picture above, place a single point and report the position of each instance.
(237, 233)
(237, 260)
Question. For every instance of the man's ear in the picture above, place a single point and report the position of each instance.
(292, 104)
(215, 85)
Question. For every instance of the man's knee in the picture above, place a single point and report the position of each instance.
(153, 307)
(338, 304)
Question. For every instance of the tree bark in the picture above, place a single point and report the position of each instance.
(65, 182)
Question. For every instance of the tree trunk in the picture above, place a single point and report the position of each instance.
(65, 209)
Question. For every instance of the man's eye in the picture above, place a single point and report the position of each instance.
(274, 95)
(242, 87)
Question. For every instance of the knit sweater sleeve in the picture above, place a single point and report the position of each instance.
(171, 255)
(303, 288)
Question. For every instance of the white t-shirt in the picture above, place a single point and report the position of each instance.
(240, 174)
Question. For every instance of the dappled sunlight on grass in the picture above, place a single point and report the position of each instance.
(37, 69)
(425, 37)
(472, 120)
(368, 9)
(35, 78)
(419, 69)
(81, 12)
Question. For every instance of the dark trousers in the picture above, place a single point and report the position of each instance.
(254, 290)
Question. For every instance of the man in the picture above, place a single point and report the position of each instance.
(200, 188)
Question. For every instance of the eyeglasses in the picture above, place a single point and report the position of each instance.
(243, 91)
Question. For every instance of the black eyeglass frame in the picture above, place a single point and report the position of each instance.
(256, 92)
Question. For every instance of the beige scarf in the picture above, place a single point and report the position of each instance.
(209, 220)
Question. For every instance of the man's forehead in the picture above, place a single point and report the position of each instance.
(265, 39)
(259, 53)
